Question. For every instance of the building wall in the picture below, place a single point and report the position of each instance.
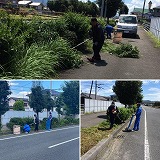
(23, 114)
(91, 105)
(155, 27)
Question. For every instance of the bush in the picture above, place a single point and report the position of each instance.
(125, 113)
(19, 121)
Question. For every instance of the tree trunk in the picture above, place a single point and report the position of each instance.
(0, 123)
(107, 20)
(125, 105)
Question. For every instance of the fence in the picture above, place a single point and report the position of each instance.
(153, 27)
(23, 114)
(98, 105)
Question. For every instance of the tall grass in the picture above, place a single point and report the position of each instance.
(38, 48)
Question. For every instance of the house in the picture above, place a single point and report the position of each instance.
(12, 101)
(92, 96)
(24, 3)
(138, 12)
(156, 11)
(36, 5)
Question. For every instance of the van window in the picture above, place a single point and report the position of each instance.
(127, 19)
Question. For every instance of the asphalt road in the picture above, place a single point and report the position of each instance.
(132, 145)
(58, 144)
(93, 119)
(112, 67)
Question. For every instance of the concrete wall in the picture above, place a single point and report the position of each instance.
(155, 27)
(23, 114)
(98, 105)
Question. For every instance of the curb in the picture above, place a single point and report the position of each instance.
(100, 148)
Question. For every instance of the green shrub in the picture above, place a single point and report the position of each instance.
(125, 113)
(19, 121)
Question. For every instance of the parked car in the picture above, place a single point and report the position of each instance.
(127, 24)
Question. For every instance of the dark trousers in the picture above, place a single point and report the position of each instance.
(96, 50)
(36, 127)
(109, 35)
(51, 124)
(112, 120)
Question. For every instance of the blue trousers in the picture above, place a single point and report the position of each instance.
(136, 124)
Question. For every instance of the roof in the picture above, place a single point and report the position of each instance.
(16, 98)
(24, 2)
(92, 96)
(35, 4)
(140, 10)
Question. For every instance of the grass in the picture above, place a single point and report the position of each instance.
(92, 135)
(155, 39)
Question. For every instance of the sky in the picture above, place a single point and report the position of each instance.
(151, 88)
(136, 3)
(21, 88)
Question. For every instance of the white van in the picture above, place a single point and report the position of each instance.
(127, 24)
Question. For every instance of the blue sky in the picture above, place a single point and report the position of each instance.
(151, 88)
(136, 3)
(21, 88)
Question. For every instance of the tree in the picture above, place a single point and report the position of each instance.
(123, 9)
(36, 99)
(70, 97)
(128, 92)
(19, 106)
(49, 102)
(111, 7)
(59, 105)
(4, 100)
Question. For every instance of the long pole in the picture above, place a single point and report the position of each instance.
(90, 90)
(143, 8)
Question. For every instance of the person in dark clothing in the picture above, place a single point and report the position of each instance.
(112, 112)
(97, 34)
(36, 122)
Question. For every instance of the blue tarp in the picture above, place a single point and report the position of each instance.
(26, 128)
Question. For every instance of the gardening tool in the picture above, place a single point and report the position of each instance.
(127, 129)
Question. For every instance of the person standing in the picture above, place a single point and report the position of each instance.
(50, 118)
(138, 117)
(97, 34)
(112, 112)
(36, 122)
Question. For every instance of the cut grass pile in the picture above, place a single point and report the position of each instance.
(91, 136)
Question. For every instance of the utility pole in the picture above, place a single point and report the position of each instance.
(91, 89)
(102, 8)
(105, 11)
(95, 89)
(143, 9)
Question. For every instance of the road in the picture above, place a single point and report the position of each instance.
(112, 67)
(58, 144)
(134, 145)
(93, 119)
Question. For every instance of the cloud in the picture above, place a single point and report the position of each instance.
(153, 95)
(11, 83)
(21, 94)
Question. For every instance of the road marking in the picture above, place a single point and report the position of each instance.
(146, 144)
(37, 133)
(63, 142)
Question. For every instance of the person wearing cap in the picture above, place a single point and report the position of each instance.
(109, 30)
(97, 34)
(138, 117)
(112, 111)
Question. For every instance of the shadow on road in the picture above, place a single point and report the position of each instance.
(102, 116)
(130, 36)
(101, 63)
(104, 129)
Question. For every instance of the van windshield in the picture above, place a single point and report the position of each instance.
(127, 19)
